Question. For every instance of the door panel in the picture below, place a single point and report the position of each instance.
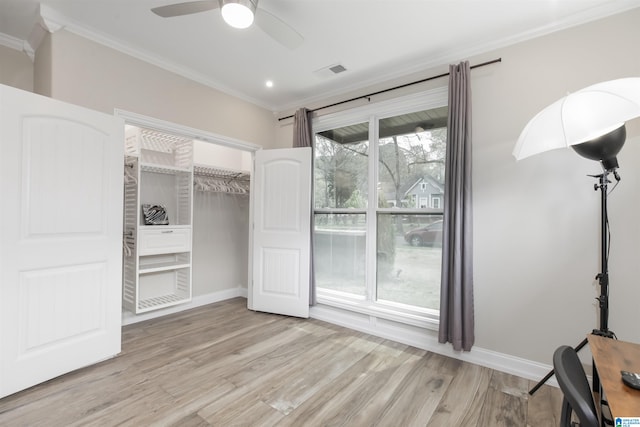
(281, 235)
(61, 232)
(50, 171)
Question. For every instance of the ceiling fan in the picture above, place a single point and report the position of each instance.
(238, 14)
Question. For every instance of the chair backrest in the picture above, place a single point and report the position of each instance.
(574, 385)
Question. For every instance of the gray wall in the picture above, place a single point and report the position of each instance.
(537, 220)
(220, 242)
(82, 72)
(16, 69)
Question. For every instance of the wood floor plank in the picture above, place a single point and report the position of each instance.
(545, 397)
(462, 403)
(417, 397)
(383, 395)
(223, 365)
(193, 420)
(505, 403)
(241, 406)
(331, 397)
(286, 357)
(346, 399)
(304, 377)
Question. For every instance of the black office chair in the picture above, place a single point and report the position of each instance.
(573, 382)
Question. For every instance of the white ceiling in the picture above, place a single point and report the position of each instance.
(376, 40)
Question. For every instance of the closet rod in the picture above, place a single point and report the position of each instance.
(493, 61)
(221, 174)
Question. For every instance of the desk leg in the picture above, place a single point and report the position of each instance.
(599, 397)
(597, 392)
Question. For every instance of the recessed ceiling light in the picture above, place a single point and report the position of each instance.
(269, 83)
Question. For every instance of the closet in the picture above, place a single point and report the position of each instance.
(157, 220)
(221, 230)
(186, 222)
(205, 249)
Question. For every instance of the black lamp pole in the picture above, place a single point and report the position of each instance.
(603, 277)
(603, 149)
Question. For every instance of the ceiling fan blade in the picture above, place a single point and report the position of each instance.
(279, 30)
(187, 8)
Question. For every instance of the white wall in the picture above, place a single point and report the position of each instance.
(220, 242)
(206, 153)
(16, 69)
(536, 222)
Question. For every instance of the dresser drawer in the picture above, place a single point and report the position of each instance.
(164, 241)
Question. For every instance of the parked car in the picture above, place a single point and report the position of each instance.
(429, 235)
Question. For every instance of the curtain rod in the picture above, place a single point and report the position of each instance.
(394, 88)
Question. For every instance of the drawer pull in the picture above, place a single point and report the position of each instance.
(167, 231)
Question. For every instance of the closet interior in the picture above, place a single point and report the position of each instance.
(186, 222)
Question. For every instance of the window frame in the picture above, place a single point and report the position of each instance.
(373, 113)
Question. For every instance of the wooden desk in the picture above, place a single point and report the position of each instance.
(610, 357)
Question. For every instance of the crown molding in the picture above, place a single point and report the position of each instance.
(10, 42)
(46, 24)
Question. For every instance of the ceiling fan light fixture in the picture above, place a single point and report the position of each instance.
(238, 13)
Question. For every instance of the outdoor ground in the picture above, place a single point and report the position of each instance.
(413, 278)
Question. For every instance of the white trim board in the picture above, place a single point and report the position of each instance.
(136, 119)
(427, 340)
(11, 42)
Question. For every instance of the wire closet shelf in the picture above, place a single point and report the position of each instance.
(220, 180)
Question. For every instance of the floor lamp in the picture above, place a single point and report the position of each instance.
(592, 122)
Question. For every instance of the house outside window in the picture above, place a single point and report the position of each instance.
(377, 229)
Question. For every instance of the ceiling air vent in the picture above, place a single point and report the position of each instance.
(330, 70)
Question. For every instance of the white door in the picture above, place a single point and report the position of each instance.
(60, 238)
(281, 233)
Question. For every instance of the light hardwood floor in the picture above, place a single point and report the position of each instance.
(223, 365)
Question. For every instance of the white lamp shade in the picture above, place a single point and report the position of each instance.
(238, 13)
(581, 116)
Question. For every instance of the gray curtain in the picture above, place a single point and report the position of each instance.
(456, 294)
(302, 137)
(302, 129)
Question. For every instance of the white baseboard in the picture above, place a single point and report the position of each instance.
(129, 318)
(428, 340)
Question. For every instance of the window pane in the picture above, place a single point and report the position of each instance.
(339, 252)
(409, 249)
(340, 167)
(411, 154)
